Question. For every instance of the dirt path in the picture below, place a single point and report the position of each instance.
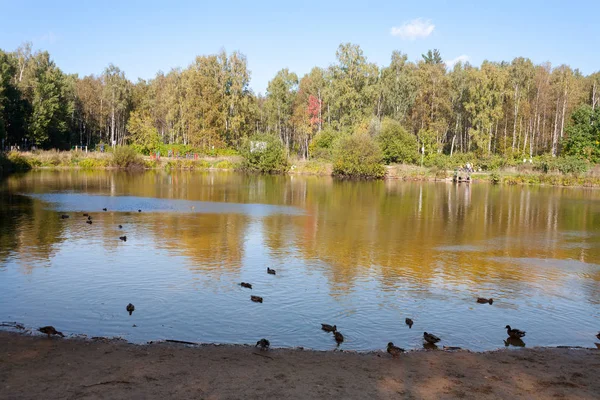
(38, 367)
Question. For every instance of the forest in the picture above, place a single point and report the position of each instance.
(410, 110)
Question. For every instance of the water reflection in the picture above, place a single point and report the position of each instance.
(363, 255)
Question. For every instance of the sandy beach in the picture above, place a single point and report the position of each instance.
(41, 367)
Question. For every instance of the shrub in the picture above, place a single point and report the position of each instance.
(126, 157)
(321, 147)
(14, 161)
(495, 178)
(271, 159)
(358, 156)
(91, 163)
(224, 164)
(397, 145)
(566, 165)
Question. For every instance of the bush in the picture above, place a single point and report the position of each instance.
(566, 165)
(397, 145)
(271, 159)
(14, 161)
(321, 147)
(358, 156)
(495, 178)
(126, 157)
(91, 163)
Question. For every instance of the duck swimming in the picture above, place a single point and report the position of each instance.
(130, 308)
(429, 338)
(120, 226)
(123, 238)
(104, 209)
(50, 330)
(395, 351)
(328, 328)
(339, 338)
(409, 322)
(271, 271)
(246, 285)
(514, 333)
(89, 221)
(483, 300)
(256, 299)
(264, 344)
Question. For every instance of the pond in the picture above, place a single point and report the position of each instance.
(360, 255)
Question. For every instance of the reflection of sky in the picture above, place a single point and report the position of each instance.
(68, 202)
(350, 255)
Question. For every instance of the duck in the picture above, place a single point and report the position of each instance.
(430, 338)
(89, 221)
(123, 238)
(130, 308)
(86, 214)
(50, 330)
(409, 322)
(339, 338)
(120, 226)
(64, 216)
(139, 210)
(328, 328)
(483, 300)
(246, 285)
(256, 299)
(597, 345)
(271, 271)
(264, 344)
(395, 351)
(104, 209)
(514, 333)
(89, 217)
(598, 335)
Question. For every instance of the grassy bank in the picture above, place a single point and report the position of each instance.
(121, 159)
(126, 158)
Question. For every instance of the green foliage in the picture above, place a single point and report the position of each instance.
(270, 160)
(397, 145)
(583, 139)
(323, 144)
(93, 163)
(126, 157)
(495, 178)
(566, 165)
(14, 161)
(358, 156)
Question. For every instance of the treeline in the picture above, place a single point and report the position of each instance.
(512, 108)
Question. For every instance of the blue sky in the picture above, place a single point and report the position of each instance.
(143, 37)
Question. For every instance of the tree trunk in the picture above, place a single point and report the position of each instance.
(515, 115)
(555, 134)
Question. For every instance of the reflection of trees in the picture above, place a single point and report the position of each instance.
(213, 242)
(28, 229)
(392, 230)
(356, 226)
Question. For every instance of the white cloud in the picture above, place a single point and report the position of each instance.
(460, 59)
(416, 29)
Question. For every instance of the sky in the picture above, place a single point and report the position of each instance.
(144, 37)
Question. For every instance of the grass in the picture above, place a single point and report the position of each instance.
(17, 161)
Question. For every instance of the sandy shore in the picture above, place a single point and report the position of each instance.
(38, 367)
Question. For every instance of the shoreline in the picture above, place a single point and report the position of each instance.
(77, 367)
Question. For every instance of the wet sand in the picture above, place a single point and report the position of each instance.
(38, 367)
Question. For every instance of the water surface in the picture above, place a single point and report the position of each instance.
(361, 255)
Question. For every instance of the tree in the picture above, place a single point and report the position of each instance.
(583, 134)
(397, 144)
